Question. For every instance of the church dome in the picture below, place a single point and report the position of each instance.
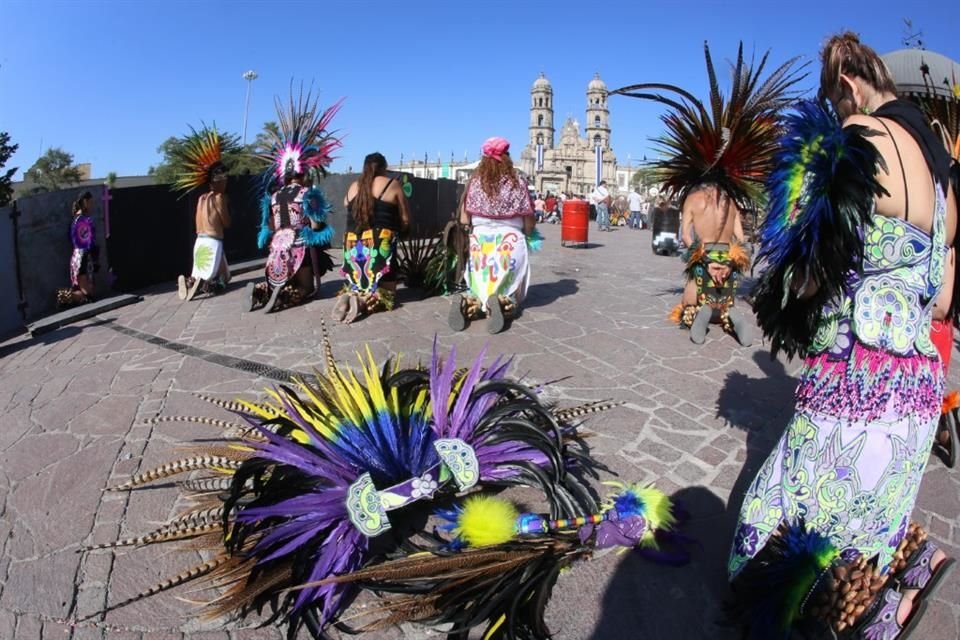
(541, 83)
(918, 71)
(596, 84)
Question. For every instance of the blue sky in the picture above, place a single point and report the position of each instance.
(109, 80)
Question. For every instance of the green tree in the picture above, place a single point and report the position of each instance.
(6, 177)
(264, 140)
(164, 173)
(644, 176)
(53, 170)
(248, 161)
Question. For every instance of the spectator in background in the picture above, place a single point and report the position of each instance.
(601, 199)
(635, 202)
(550, 204)
(538, 207)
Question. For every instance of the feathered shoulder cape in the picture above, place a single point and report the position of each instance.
(821, 196)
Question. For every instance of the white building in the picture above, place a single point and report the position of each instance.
(577, 163)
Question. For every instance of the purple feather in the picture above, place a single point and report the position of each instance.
(458, 426)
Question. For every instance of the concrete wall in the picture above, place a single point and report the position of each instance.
(152, 234)
(45, 247)
(432, 203)
(11, 321)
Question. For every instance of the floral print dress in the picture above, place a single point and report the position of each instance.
(868, 401)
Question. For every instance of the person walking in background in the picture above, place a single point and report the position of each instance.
(601, 199)
(538, 207)
(85, 259)
(635, 203)
(499, 213)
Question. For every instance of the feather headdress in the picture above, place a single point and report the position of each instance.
(301, 143)
(730, 142)
(200, 154)
(327, 489)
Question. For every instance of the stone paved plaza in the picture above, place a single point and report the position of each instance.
(698, 420)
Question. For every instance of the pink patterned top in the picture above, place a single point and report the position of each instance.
(511, 200)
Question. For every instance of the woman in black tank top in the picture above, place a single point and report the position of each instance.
(374, 222)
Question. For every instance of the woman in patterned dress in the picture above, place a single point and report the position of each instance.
(844, 477)
(499, 213)
(84, 261)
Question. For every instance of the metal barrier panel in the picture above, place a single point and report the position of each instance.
(11, 322)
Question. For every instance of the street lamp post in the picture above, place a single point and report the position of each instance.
(249, 76)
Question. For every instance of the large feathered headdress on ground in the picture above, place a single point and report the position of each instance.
(301, 142)
(728, 143)
(199, 155)
(381, 481)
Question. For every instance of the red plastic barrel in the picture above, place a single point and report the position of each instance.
(576, 219)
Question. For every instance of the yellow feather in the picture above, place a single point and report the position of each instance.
(492, 631)
(487, 520)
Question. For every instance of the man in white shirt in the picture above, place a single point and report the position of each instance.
(635, 202)
(601, 198)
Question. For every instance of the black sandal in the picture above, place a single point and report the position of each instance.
(457, 316)
(496, 320)
(948, 452)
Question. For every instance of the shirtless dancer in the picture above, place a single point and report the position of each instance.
(713, 233)
(210, 269)
(716, 165)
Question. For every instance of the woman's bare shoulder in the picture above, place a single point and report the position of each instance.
(862, 120)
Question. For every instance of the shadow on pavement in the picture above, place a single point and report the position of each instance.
(648, 600)
(762, 407)
(63, 333)
(544, 293)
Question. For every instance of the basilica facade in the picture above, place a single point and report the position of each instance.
(575, 164)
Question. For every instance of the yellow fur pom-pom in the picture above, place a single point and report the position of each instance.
(486, 521)
(658, 512)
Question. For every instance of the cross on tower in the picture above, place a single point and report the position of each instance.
(105, 199)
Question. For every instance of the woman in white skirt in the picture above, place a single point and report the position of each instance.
(498, 214)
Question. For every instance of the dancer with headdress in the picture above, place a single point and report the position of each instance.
(498, 213)
(328, 490)
(854, 250)
(198, 162)
(85, 257)
(294, 215)
(715, 158)
(377, 213)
